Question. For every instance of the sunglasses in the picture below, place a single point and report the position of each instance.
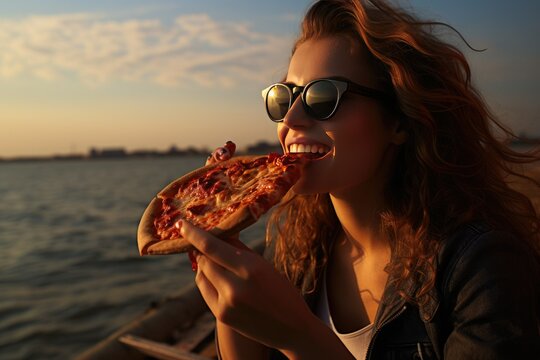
(320, 97)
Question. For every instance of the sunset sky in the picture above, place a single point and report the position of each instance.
(150, 74)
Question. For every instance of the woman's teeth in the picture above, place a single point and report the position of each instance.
(314, 149)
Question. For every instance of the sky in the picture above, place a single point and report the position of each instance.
(137, 74)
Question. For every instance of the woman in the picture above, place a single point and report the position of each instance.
(404, 240)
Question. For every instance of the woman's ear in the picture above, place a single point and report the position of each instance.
(399, 134)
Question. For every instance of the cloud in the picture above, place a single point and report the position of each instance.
(194, 48)
(290, 17)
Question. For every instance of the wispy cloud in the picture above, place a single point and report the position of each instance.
(291, 17)
(98, 49)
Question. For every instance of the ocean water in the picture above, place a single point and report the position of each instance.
(70, 272)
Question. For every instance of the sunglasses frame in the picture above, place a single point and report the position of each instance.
(342, 86)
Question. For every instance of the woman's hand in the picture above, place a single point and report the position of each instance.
(245, 292)
(222, 153)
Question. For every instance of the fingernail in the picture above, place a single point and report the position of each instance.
(179, 226)
(193, 261)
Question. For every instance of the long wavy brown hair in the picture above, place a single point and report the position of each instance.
(452, 169)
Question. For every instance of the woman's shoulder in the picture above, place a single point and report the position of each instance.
(476, 247)
(475, 235)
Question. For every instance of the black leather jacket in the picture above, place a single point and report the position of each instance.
(485, 305)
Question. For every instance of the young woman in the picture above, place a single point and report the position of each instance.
(403, 240)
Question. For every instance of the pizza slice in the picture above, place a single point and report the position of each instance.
(222, 198)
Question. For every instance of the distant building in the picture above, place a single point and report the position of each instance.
(144, 153)
(175, 151)
(108, 153)
(192, 151)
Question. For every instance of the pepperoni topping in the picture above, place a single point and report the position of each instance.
(281, 182)
(233, 207)
(263, 201)
(235, 171)
(285, 159)
(272, 157)
(198, 209)
(258, 162)
(218, 187)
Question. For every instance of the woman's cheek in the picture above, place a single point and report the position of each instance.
(281, 131)
(360, 149)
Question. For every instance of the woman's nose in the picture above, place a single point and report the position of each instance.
(297, 116)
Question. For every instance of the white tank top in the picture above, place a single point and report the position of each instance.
(357, 341)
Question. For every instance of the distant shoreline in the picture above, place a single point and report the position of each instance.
(59, 158)
(261, 147)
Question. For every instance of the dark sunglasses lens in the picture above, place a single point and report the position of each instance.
(277, 102)
(321, 99)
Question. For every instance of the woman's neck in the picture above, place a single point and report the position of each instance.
(358, 211)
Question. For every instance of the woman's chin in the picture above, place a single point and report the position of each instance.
(305, 187)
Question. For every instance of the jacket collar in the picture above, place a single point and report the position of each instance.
(392, 302)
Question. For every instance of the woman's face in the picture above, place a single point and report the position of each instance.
(356, 134)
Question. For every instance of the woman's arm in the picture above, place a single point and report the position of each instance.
(232, 345)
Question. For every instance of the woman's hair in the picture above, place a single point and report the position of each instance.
(452, 169)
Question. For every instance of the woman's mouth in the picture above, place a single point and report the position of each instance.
(310, 152)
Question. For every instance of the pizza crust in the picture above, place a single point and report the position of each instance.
(150, 244)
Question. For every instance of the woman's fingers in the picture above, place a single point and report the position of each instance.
(234, 240)
(230, 147)
(207, 289)
(222, 280)
(222, 153)
(237, 243)
(224, 254)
